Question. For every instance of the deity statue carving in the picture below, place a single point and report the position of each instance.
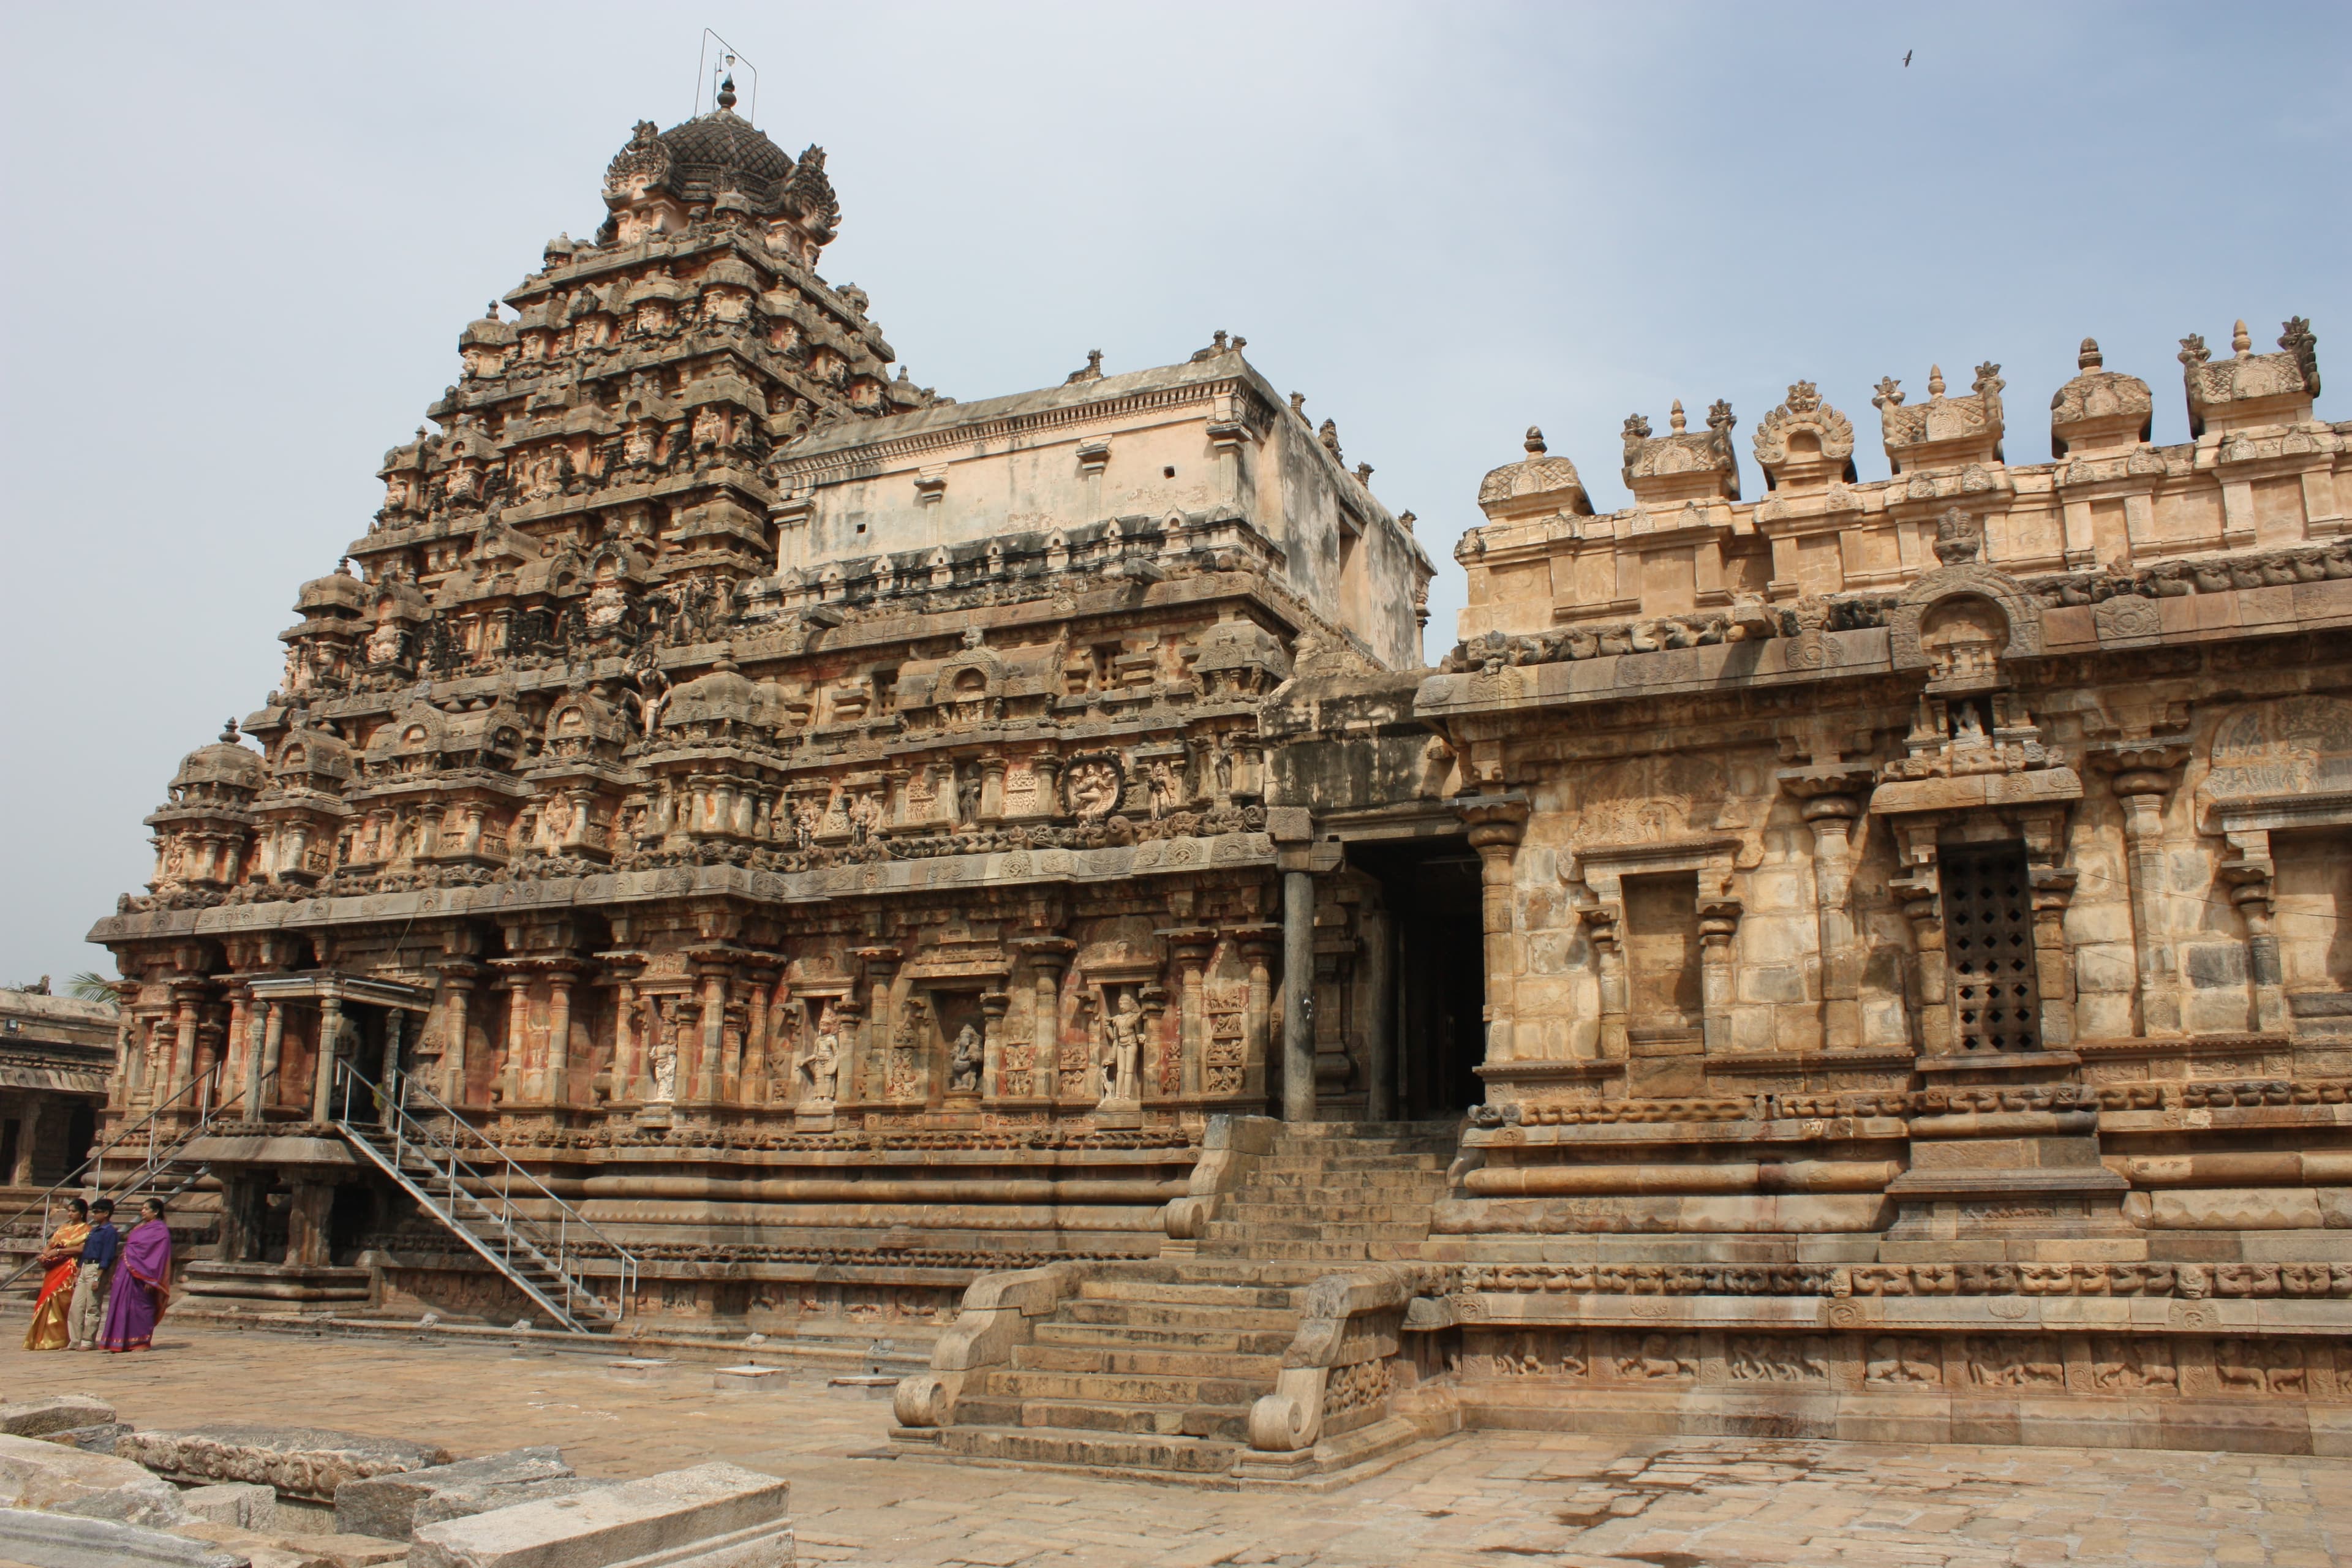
(963, 1066)
(1121, 1062)
(821, 1068)
(1094, 788)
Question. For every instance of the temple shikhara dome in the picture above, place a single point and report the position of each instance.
(999, 876)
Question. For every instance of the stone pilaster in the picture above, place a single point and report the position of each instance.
(2144, 774)
(1497, 823)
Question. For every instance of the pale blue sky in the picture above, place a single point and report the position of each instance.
(243, 242)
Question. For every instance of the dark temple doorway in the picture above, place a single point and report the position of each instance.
(1431, 888)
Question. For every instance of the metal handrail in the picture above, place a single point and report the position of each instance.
(157, 1157)
(469, 1179)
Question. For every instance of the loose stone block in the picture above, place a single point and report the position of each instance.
(750, 1379)
(711, 1516)
(385, 1505)
(245, 1504)
(40, 1417)
(57, 1540)
(59, 1479)
(465, 1501)
(636, 1369)
(860, 1387)
(102, 1438)
(303, 1462)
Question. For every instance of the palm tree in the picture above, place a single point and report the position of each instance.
(89, 985)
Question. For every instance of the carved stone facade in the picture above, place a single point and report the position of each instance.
(1883, 934)
(1920, 955)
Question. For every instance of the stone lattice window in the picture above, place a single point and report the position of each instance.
(1989, 939)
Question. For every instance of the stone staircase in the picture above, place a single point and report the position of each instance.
(1338, 1193)
(1152, 1368)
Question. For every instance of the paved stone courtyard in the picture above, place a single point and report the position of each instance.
(1489, 1498)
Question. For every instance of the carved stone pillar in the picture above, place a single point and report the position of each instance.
(992, 789)
(1719, 923)
(1298, 996)
(2054, 889)
(268, 1088)
(1259, 945)
(1191, 946)
(1048, 956)
(1833, 798)
(751, 1084)
(555, 1052)
(388, 1077)
(1496, 825)
(322, 1077)
(992, 1005)
(2250, 875)
(2144, 774)
(1920, 889)
(457, 982)
(1604, 929)
(510, 1071)
(237, 1044)
(187, 999)
(261, 1025)
(1378, 978)
(306, 1225)
(626, 1084)
(874, 1048)
(703, 1081)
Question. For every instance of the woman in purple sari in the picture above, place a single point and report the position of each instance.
(142, 1283)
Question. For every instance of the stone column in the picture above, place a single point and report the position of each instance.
(1719, 923)
(1603, 929)
(752, 1088)
(1920, 889)
(625, 1043)
(1379, 981)
(187, 996)
(1191, 946)
(1496, 825)
(458, 990)
(306, 1224)
(517, 987)
(388, 1077)
(28, 1139)
(1047, 957)
(236, 1048)
(554, 1085)
(2143, 775)
(992, 789)
(992, 1006)
(261, 1029)
(1259, 945)
(871, 1078)
(268, 1088)
(2053, 962)
(711, 1041)
(2249, 875)
(1298, 996)
(322, 1077)
(1832, 798)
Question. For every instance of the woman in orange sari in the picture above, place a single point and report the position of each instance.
(62, 1259)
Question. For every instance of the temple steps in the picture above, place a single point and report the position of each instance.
(1127, 1362)
(1152, 1368)
(1239, 1342)
(1078, 1449)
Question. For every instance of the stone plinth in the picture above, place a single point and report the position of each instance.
(59, 1479)
(386, 1505)
(54, 1541)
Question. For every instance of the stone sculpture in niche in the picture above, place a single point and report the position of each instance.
(821, 1068)
(1120, 1057)
(1094, 787)
(963, 1065)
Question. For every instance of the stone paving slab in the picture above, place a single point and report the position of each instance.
(1487, 1500)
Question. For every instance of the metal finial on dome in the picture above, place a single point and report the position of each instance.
(2090, 358)
(1535, 442)
(727, 91)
